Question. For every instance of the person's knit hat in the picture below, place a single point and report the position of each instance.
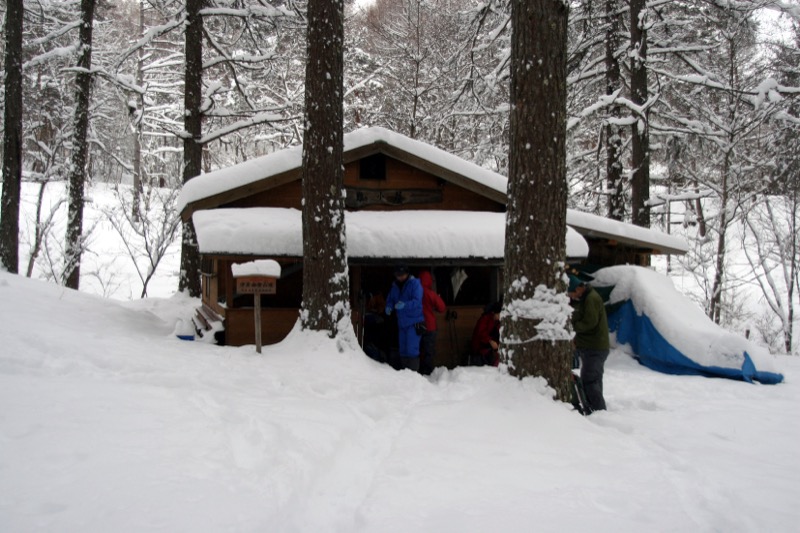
(399, 270)
(574, 283)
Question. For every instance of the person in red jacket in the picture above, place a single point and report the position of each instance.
(486, 337)
(431, 303)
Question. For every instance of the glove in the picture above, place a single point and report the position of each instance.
(388, 310)
(399, 305)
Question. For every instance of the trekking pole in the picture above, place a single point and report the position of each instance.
(452, 316)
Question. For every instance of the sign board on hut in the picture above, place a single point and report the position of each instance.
(257, 278)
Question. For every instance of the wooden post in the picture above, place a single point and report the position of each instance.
(257, 313)
(256, 278)
(256, 285)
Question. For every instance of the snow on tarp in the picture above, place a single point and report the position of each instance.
(254, 170)
(425, 234)
(670, 334)
(260, 267)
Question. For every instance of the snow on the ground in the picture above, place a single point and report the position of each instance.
(107, 266)
(109, 423)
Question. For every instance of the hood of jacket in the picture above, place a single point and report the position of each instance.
(426, 279)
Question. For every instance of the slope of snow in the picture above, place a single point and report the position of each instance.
(680, 321)
(109, 423)
(384, 234)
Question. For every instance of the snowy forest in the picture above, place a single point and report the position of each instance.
(515, 265)
(681, 116)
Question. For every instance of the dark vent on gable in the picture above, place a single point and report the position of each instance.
(373, 167)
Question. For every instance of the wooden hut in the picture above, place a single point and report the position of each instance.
(407, 202)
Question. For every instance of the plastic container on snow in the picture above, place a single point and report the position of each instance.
(184, 331)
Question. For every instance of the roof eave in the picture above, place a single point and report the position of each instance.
(653, 248)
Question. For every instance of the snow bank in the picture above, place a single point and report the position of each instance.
(423, 234)
(261, 267)
(684, 327)
(109, 423)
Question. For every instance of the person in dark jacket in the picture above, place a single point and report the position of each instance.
(590, 324)
(431, 303)
(486, 337)
(405, 297)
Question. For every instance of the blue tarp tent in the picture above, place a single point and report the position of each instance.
(655, 352)
(670, 333)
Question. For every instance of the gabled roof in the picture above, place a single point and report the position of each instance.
(263, 173)
(269, 171)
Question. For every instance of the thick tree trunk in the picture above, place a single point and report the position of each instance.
(80, 149)
(193, 130)
(326, 304)
(535, 334)
(640, 141)
(12, 138)
(614, 184)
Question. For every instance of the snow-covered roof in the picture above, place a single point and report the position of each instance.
(240, 180)
(590, 225)
(277, 232)
(252, 171)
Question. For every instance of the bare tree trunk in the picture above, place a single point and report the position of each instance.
(640, 141)
(137, 126)
(698, 207)
(37, 236)
(535, 334)
(715, 305)
(12, 138)
(614, 184)
(192, 149)
(417, 65)
(789, 333)
(326, 305)
(80, 149)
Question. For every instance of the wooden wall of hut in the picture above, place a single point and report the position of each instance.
(603, 252)
(418, 190)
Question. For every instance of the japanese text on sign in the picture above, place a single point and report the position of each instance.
(255, 285)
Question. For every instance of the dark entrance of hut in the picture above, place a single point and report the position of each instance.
(466, 291)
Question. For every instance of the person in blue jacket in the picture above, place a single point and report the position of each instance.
(406, 298)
